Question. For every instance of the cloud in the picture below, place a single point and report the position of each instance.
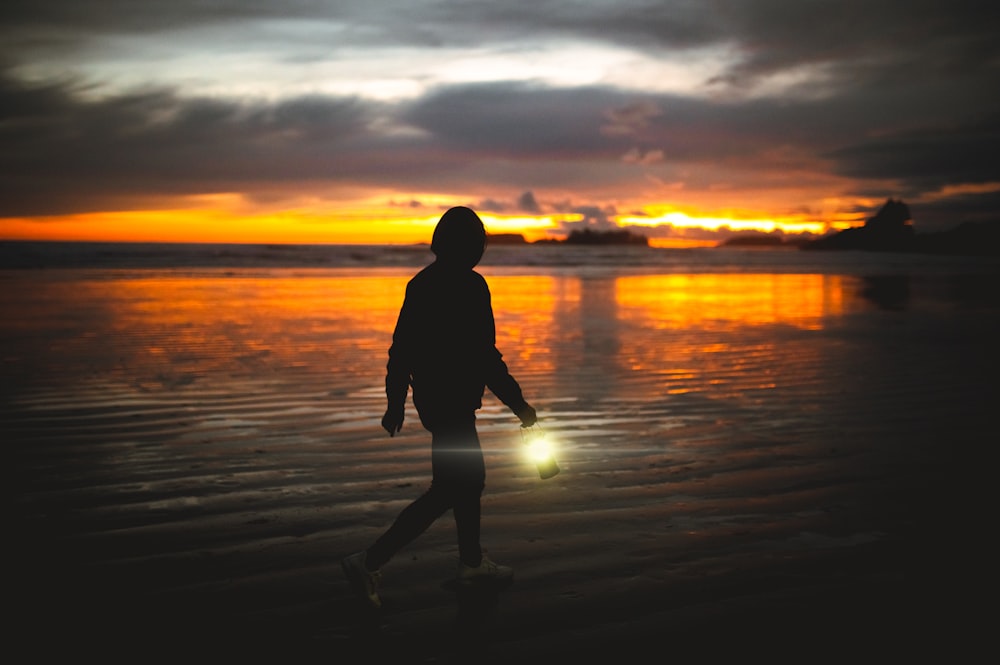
(64, 152)
(863, 42)
(514, 119)
(637, 156)
(947, 212)
(598, 218)
(103, 104)
(61, 153)
(527, 203)
(631, 119)
(927, 158)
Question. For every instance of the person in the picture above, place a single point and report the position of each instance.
(444, 347)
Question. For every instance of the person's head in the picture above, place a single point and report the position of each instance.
(459, 238)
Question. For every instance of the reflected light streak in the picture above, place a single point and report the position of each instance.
(167, 326)
(730, 301)
(684, 333)
(526, 309)
(639, 337)
(717, 334)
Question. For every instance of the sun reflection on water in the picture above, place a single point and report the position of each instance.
(681, 332)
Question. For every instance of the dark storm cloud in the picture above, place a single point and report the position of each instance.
(868, 40)
(881, 93)
(516, 120)
(642, 23)
(127, 16)
(862, 42)
(61, 152)
(928, 158)
(535, 124)
(65, 153)
(771, 35)
(412, 22)
(956, 209)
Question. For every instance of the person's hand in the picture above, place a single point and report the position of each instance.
(528, 416)
(392, 421)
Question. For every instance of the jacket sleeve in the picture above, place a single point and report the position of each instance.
(502, 384)
(399, 369)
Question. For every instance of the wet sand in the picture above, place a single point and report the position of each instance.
(762, 466)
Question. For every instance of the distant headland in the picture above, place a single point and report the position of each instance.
(892, 230)
(577, 237)
(760, 240)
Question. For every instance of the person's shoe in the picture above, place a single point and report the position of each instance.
(486, 571)
(363, 581)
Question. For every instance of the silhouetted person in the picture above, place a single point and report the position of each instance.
(444, 346)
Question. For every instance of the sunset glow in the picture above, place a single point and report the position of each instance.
(302, 227)
(214, 226)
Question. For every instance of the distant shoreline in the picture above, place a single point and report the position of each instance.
(577, 237)
(969, 239)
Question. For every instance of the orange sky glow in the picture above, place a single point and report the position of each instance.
(218, 225)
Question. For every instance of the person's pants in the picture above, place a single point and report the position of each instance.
(459, 475)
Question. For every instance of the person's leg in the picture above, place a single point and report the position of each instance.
(459, 465)
(458, 478)
(459, 470)
(467, 521)
(459, 475)
(411, 522)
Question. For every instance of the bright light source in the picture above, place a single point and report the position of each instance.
(540, 450)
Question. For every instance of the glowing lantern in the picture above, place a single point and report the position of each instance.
(539, 450)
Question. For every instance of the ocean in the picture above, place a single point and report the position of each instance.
(771, 444)
(180, 256)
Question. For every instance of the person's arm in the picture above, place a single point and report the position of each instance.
(399, 369)
(507, 390)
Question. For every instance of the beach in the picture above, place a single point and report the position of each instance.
(770, 462)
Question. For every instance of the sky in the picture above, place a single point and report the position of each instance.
(363, 120)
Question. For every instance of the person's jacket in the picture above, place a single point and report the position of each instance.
(444, 346)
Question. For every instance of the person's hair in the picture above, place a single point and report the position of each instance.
(459, 237)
